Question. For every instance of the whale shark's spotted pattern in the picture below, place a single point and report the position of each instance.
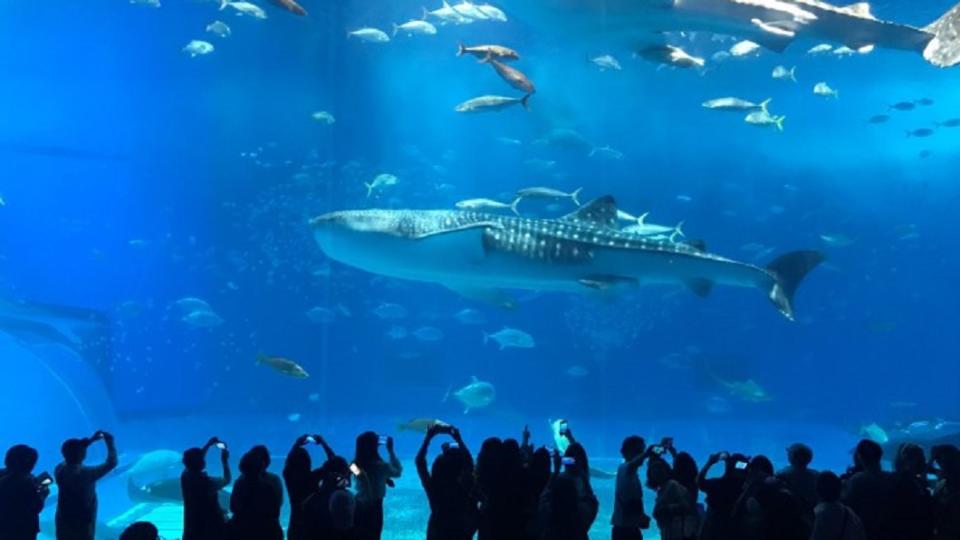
(478, 254)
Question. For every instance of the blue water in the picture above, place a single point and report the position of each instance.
(134, 176)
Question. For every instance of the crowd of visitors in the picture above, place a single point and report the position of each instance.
(514, 491)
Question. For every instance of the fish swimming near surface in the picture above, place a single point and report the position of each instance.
(748, 390)
(823, 89)
(480, 254)
(488, 204)
(219, 28)
(447, 14)
(772, 24)
(510, 338)
(549, 193)
(765, 119)
(420, 425)
(781, 73)
(380, 181)
(292, 6)
(903, 106)
(491, 103)
(744, 48)
(370, 35)
(284, 366)
(735, 104)
(498, 52)
(512, 76)
(919, 133)
(244, 8)
(670, 55)
(415, 27)
(951, 123)
(198, 47)
(476, 395)
(605, 62)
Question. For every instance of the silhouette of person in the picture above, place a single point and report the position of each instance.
(629, 516)
(563, 516)
(488, 485)
(203, 518)
(676, 516)
(329, 511)
(21, 494)
(867, 487)
(449, 487)
(300, 479)
(374, 476)
(568, 506)
(834, 520)
(911, 509)
(945, 463)
(256, 499)
(721, 495)
(799, 478)
(76, 515)
(141, 530)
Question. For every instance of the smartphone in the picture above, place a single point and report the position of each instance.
(383, 440)
(45, 479)
(568, 461)
(453, 446)
(741, 465)
(311, 439)
(564, 428)
(221, 445)
(657, 449)
(355, 469)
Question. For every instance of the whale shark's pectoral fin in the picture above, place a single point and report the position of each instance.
(494, 297)
(700, 287)
(775, 36)
(605, 282)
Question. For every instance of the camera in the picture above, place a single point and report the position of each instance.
(44, 479)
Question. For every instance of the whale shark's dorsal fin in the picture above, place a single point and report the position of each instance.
(602, 212)
(860, 9)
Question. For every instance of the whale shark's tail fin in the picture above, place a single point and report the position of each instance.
(788, 271)
(944, 49)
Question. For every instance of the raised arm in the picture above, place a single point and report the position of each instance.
(326, 447)
(458, 438)
(395, 468)
(421, 460)
(711, 461)
(227, 475)
(111, 463)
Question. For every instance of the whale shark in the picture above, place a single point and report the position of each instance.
(774, 24)
(479, 255)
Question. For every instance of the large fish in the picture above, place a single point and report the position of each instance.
(773, 24)
(46, 324)
(479, 254)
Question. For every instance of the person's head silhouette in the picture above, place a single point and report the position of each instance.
(74, 451)
(21, 459)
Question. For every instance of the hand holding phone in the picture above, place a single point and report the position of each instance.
(44, 479)
(355, 469)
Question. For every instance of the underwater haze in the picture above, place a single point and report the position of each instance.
(163, 276)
